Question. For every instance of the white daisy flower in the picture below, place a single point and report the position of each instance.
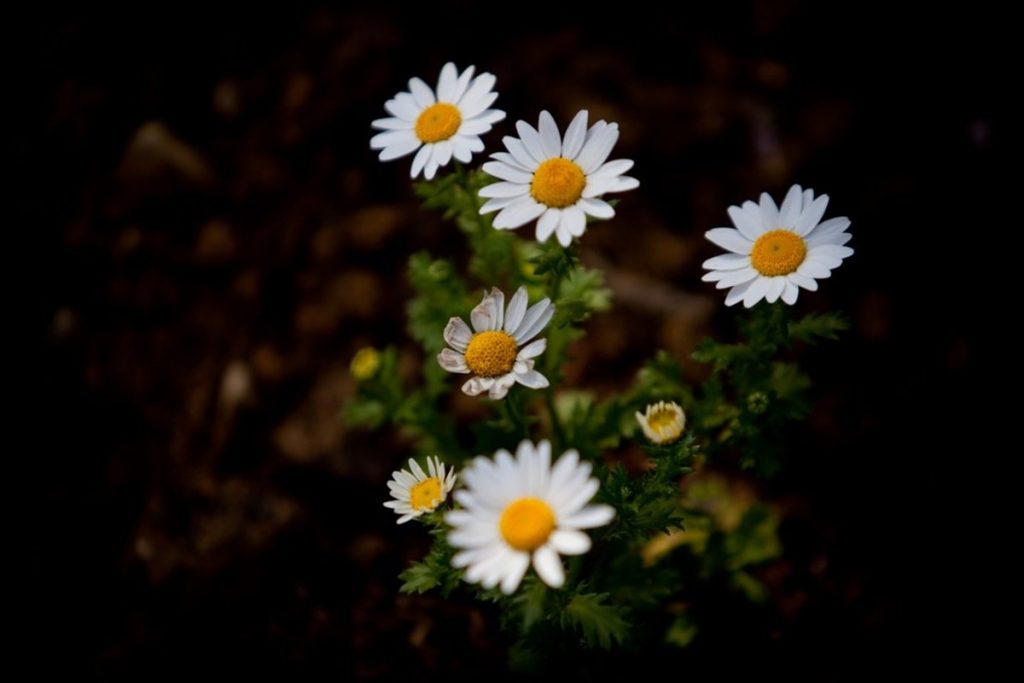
(416, 492)
(777, 250)
(662, 422)
(493, 351)
(523, 509)
(448, 124)
(554, 179)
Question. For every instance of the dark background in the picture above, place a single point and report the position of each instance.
(215, 240)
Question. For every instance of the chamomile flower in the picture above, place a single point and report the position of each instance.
(518, 511)
(557, 180)
(440, 124)
(493, 350)
(416, 492)
(662, 422)
(775, 251)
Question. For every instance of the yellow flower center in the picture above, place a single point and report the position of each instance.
(662, 418)
(491, 353)
(426, 494)
(558, 183)
(778, 252)
(365, 363)
(526, 523)
(438, 122)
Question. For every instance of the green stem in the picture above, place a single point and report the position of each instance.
(557, 433)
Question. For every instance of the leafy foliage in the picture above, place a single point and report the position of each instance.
(678, 528)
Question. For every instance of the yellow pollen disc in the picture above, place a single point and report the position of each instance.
(438, 122)
(491, 353)
(778, 252)
(526, 523)
(558, 183)
(661, 419)
(426, 494)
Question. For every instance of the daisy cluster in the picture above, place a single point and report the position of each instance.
(514, 512)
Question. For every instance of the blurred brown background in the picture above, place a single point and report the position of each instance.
(218, 240)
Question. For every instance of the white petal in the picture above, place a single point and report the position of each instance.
(478, 106)
(534, 320)
(509, 160)
(497, 203)
(811, 215)
(399, 149)
(599, 186)
(403, 106)
(578, 498)
(574, 220)
(562, 233)
(747, 220)
(421, 92)
(519, 213)
(474, 127)
(475, 100)
(833, 250)
(546, 225)
(491, 116)
(457, 334)
(430, 169)
(810, 268)
(405, 518)
(776, 285)
(391, 137)
(403, 477)
(792, 206)
(532, 379)
(569, 541)
(498, 297)
(756, 292)
(462, 148)
(417, 470)
(446, 83)
(790, 293)
(432, 465)
(452, 361)
(534, 348)
(831, 227)
(598, 208)
(531, 140)
(551, 141)
(508, 173)
(501, 386)
(575, 134)
(392, 123)
(597, 148)
(468, 557)
(589, 517)
(769, 212)
(549, 566)
(730, 239)
(420, 160)
(473, 535)
(737, 293)
(516, 309)
(503, 189)
(727, 262)
(563, 470)
(731, 278)
(838, 239)
(462, 84)
(484, 315)
(518, 151)
(443, 152)
(477, 386)
(799, 280)
(514, 571)
(611, 169)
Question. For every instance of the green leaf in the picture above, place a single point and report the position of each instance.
(419, 578)
(601, 624)
(812, 328)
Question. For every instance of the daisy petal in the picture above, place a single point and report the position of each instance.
(516, 309)
(549, 220)
(574, 135)
(550, 140)
(589, 517)
(548, 566)
(730, 239)
(532, 379)
(570, 542)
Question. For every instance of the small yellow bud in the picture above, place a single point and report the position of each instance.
(365, 363)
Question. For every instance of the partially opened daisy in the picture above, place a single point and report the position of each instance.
(662, 422)
(557, 180)
(493, 350)
(442, 125)
(775, 251)
(521, 510)
(416, 492)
